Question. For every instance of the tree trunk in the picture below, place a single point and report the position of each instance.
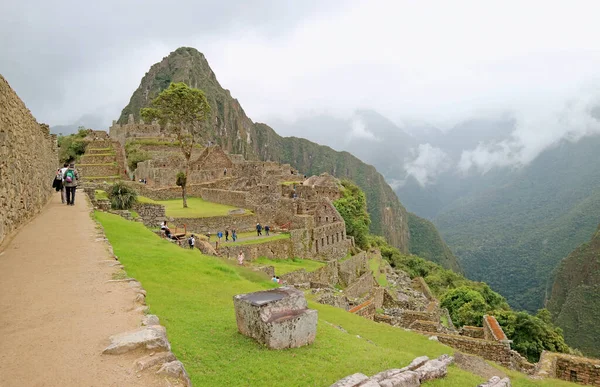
(183, 193)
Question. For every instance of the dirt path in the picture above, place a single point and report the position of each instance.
(56, 308)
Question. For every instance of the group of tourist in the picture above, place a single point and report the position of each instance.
(259, 229)
(65, 181)
(228, 235)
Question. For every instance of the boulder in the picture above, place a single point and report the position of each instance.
(175, 369)
(350, 381)
(495, 381)
(402, 379)
(150, 338)
(153, 360)
(434, 369)
(278, 318)
(150, 319)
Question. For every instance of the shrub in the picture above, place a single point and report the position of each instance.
(135, 155)
(122, 196)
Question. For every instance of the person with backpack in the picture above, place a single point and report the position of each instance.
(267, 229)
(71, 176)
(63, 191)
(192, 241)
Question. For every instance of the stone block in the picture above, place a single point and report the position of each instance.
(434, 369)
(403, 379)
(150, 338)
(153, 360)
(278, 318)
(175, 369)
(351, 380)
(495, 381)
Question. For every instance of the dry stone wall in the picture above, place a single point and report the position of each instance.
(361, 286)
(218, 223)
(28, 162)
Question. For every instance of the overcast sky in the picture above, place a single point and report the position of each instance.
(433, 61)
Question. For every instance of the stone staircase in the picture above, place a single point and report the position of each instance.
(103, 161)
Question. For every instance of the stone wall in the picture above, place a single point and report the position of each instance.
(218, 223)
(327, 274)
(276, 249)
(352, 268)
(419, 283)
(489, 350)
(95, 170)
(425, 326)
(230, 198)
(366, 309)
(576, 369)
(407, 317)
(152, 214)
(28, 162)
(473, 332)
(362, 286)
(492, 330)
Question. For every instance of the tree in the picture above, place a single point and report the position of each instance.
(466, 306)
(352, 206)
(182, 110)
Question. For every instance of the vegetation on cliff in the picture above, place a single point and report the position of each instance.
(352, 206)
(575, 299)
(71, 147)
(426, 242)
(467, 301)
(514, 227)
(235, 132)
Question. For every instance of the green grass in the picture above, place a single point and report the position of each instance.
(192, 295)
(283, 266)
(380, 277)
(101, 177)
(197, 207)
(262, 239)
(100, 195)
(100, 154)
(97, 149)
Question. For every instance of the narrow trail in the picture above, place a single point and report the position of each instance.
(57, 309)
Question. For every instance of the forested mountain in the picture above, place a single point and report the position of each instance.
(234, 131)
(575, 298)
(513, 234)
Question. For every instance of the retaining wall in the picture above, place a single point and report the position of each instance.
(28, 162)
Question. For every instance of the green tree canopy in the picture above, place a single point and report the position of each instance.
(183, 111)
(352, 206)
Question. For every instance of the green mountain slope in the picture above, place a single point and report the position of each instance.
(234, 131)
(513, 234)
(427, 243)
(575, 298)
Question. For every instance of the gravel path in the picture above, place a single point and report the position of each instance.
(57, 309)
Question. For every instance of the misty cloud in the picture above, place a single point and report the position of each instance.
(427, 164)
(360, 131)
(536, 131)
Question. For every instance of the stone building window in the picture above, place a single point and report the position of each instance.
(322, 241)
(327, 218)
(327, 239)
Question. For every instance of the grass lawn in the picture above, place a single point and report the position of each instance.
(283, 266)
(101, 195)
(192, 295)
(262, 239)
(197, 207)
(380, 277)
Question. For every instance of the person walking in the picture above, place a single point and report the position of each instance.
(63, 191)
(267, 229)
(71, 177)
(226, 235)
(192, 241)
(258, 229)
(241, 258)
(234, 235)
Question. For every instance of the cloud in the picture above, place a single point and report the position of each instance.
(360, 131)
(537, 130)
(427, 164)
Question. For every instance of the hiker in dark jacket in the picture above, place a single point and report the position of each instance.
(71, 177)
